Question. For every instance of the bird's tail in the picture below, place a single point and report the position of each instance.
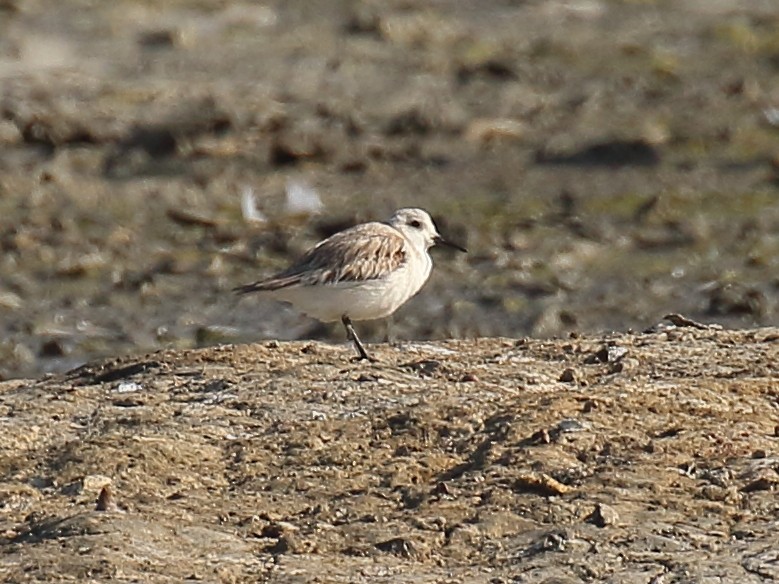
(248, 288)
(267, 285)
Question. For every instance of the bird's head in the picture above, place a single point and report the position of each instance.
(419, 228)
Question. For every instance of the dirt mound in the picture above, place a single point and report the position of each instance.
(625, 458)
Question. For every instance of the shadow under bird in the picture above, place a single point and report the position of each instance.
(365, 272)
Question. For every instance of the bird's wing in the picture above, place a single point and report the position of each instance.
(363, 252)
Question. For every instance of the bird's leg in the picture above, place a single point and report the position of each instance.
(352, 336)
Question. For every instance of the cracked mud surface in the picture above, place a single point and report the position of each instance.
(656, 460)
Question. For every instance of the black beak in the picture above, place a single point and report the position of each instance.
(441, 241)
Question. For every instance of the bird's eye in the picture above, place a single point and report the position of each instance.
(415, 224)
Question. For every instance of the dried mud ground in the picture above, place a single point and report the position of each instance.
(632, 458)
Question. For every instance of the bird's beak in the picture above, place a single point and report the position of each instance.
(438, 240)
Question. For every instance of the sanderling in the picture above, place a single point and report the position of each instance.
(362, 273)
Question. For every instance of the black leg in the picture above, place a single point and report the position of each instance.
(352, 336)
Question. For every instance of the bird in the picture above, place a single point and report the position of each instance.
(365, 272)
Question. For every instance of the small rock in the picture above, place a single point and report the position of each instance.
(761, 484)
(486, 131)
(602, 354)
(400, 546)
(540, 483)
(441, 488)
(105, 500)
(129, 402)
(429, 523)
(76, 267)
(717, 493)
(589, 405)
(464, 534)
(424, 368)
(469, 378)
(568, 425)
(541, 437)
(187, 218)
(10, 300)
(287, 543)
(568, 375)
(624, 365)
(554, 541)
(603, 515)
(616, 354)
(277, 529)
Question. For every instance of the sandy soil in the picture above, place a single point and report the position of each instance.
(628, 458)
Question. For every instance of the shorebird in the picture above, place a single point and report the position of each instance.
(365, 272)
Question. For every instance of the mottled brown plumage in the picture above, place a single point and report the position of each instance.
(360, 253)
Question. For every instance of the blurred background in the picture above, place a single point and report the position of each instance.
(606, 162)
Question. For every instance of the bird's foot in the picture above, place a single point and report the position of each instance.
(361, 358)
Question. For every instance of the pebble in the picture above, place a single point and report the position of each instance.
(400, 546)
(540, 483)
(489, 130)
(568, 375)
(10, 300)
(105, 500)
(569, 425)
(603, 515)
